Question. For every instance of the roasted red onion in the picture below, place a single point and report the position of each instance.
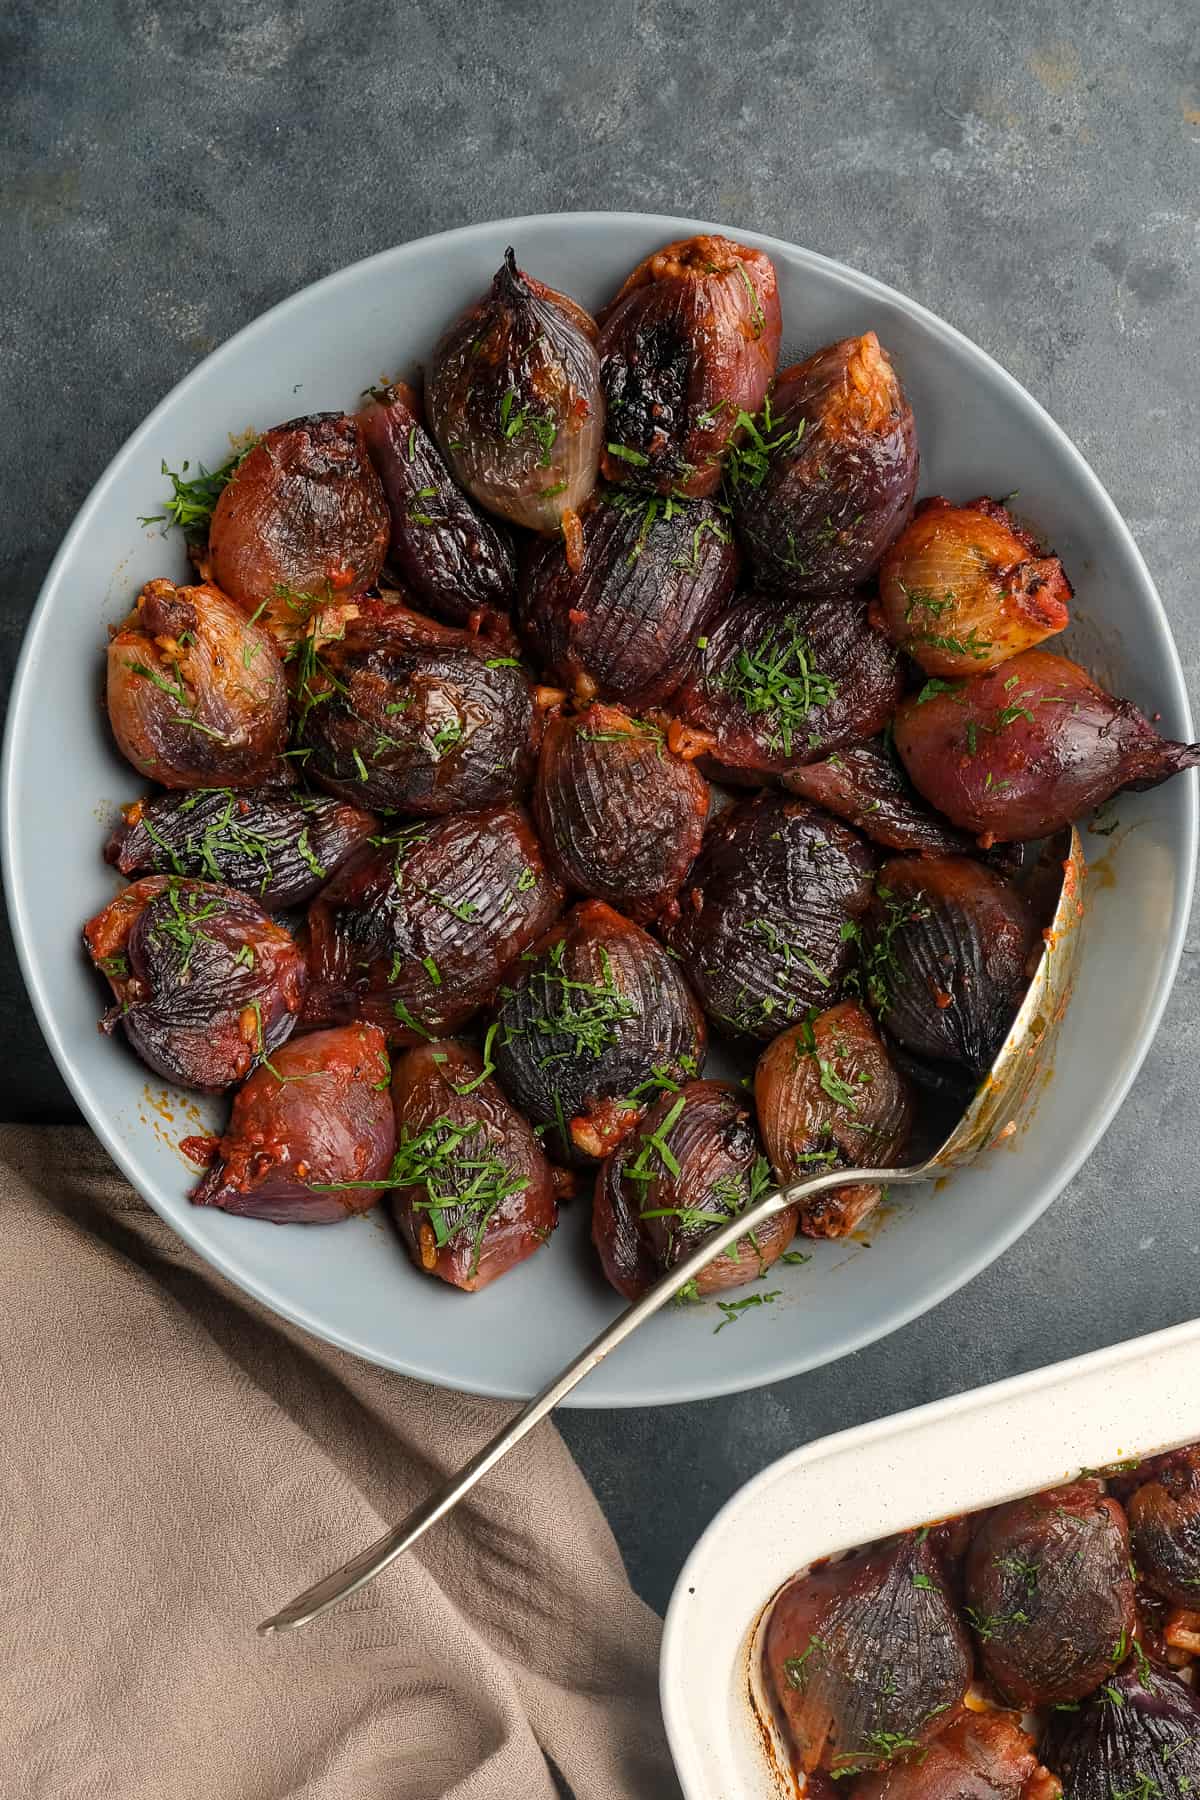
(776, 688)
(622, 620)
(274, 843)
(829, 1096)
(412, 717)
(765, 922)
(692, 1165)
(311, 1136)
(1139, 1736)
(449, 557)
(196, 695)
(597, 1017)
(1050, 1596)
(947, 950)
(866, 788)
(1164, 1525)
(964, 588)
(1021, 751)
(687, 351)
(415, 932)
(473, 1193)
(980, 1756)
(205, 983)
(826, 478)
(621, 815)
(515, 403)
(867, 1657)
(302, 523)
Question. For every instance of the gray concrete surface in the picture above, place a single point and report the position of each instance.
(1030, 171)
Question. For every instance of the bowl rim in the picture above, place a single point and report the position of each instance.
(773, 1367)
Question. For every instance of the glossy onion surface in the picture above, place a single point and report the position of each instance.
(415, 933)
(621, 816)
(693, 1164)
(196, 695)
(515, 403)
(1021, 751)
(779, 688)
(1164, 1524)
(947, 950)
(863, 786)
(1139, 1736)
(594, 1013)
(302, 522)
(205, 983)
(964, 588)
(980, 1756)
(624, 621)
(687, 348)
(450, 557)
(826, 480)
(828, 1094)
(310, 1138)
(867, 1657)
(1049, 1594)
(473, 1193)
(274, 843)
(763, 931)
(412, 717)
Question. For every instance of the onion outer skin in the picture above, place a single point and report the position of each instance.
(979, 1756)
(515, 402)
(826, 1092)
(1164, 1522)
(643, 1226)
(689, 343)
(195, 692)
(317, 1117)
(1020, 752)
(963, 589)
(862, 785)
(621, 815)
(1146, 1741)
(447, 1083)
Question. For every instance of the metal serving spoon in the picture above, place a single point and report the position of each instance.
(991, 1116)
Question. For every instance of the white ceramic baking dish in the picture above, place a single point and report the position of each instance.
(976, 1449)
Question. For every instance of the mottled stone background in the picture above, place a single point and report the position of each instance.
(1030, 172)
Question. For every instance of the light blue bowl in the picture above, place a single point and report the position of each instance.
(980, 432)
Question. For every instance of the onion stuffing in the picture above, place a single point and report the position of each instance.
(1050, 1596)
(311, 1135)
(275, 843)
(867, 1657)
(1022, 750)
(825, 479)
(828, 1095)
(687, 350)
(866, 788)
(473, 1194)
(946, 957)
(979, 1756)
(449, 557)
(964, 588)
(196, 695)
(515, 403)
(596, 1018)
(302, 524)
(415, 931)
(692, 1165)
(766, 917)
(623, 618)
(1164, 1525)
(205, 983)
(777, 688)
(621, 815)
(412, 717)
(1139, 1735)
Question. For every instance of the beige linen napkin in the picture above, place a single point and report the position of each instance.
(177, 1462)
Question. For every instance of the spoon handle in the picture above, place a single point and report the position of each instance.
(369, 1562)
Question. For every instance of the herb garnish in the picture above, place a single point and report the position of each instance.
(778, 679)
(194, 498)
(582, 1012)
